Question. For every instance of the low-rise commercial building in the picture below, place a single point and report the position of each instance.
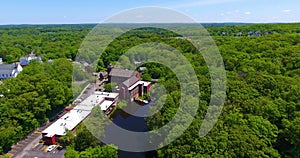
(75, 116)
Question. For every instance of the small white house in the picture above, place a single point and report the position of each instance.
(24, 61)
(9, 70)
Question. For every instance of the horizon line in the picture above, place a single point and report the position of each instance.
(207, 22)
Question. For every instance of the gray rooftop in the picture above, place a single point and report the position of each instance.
(7, 68)
(121, 73)
(131, 81)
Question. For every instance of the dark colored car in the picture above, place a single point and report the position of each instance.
(60, 148)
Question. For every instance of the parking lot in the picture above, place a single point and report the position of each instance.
(40, 151)
(42, 147)
(29, 146)
(42, 154)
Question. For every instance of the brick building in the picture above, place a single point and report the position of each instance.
(130, 84)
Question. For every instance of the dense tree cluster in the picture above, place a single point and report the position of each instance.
(261, 113)
(50, 41)
(38, 93)
(98, 152)
(251, 30)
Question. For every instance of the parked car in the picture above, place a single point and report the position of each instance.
(51, 148)
(60, 148)
(78, 100)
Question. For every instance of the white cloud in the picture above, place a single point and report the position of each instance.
(247, 13)
(286, 10)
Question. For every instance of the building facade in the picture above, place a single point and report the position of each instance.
(9, 70)
(130, 84)
(70, 120)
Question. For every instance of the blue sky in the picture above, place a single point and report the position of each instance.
(95, 11)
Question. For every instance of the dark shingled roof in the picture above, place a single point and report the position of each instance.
(6, 68)
(121, 73)
(131, 81)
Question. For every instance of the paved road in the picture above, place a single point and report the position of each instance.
(28, 147)
(41, 154)
(87, 91)
(24, 148)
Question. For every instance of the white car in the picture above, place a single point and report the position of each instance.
(78, 101)
(51, 147)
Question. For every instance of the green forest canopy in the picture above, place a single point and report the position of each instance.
(261, 116)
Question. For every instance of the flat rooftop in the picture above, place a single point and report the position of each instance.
(107, 95)
(144, 83)
(71, 119)
(106, 104)
(67, 122)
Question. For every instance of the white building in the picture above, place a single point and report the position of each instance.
(24, 61)
(9, 70)
(75, 116)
